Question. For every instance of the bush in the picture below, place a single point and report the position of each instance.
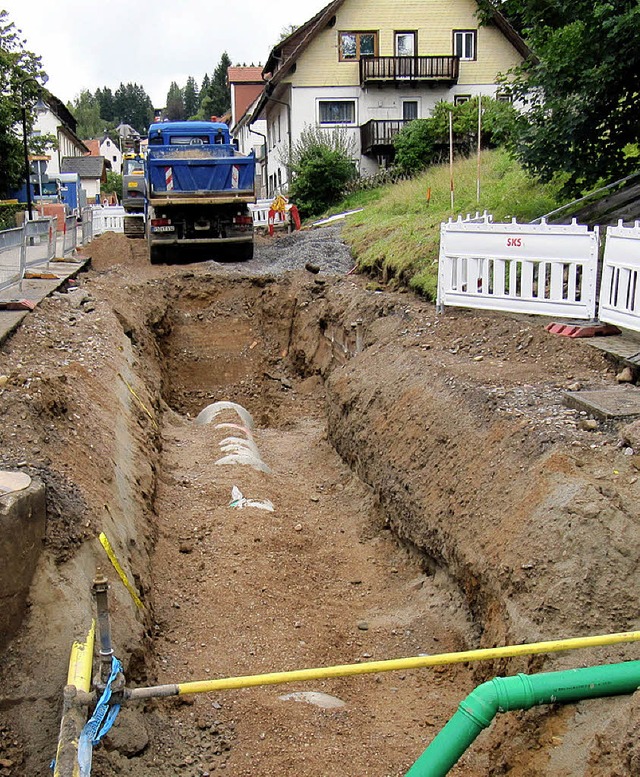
(424, 142)
(320, 166)
(8, 214)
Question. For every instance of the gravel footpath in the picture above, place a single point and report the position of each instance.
(321, 247)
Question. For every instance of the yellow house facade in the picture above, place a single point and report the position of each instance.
(370, 66)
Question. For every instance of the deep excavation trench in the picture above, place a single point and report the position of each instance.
(424, 502)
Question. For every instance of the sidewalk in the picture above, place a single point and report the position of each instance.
(36, 290)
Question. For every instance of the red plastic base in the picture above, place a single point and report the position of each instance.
(17, 304)
(582, 330)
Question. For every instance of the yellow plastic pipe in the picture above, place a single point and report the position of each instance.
(73, 715)
(81, 662)
(417, 662)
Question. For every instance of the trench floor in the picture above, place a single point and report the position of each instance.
(317, 582)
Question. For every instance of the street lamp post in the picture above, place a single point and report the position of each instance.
(25, 139)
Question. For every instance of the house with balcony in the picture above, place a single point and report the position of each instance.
(371, 66)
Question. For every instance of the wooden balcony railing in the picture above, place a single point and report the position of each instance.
(409, 69)
(378, 134)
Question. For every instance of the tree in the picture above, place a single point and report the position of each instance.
(216, 101)
(175, 110)
(19, 69)
(86, 110)
(321, 164)
(191, 99)
(133, 106)
(423, 142)
(105, 100)
(581, 91)
(204, 89)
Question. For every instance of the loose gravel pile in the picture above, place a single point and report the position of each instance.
(321, 248)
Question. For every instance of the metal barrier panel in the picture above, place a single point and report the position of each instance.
(539, 269)
(87, 225)
(38, 238)
(70, 235)
(12, 256)
(620, 285)
(53, 238)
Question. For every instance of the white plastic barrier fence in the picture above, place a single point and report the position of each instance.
(108, 219)
(260, 214)
(620, 285)
(539, 269)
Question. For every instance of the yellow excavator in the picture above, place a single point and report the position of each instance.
(134, 191)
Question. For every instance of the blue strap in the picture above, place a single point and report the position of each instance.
(99, 723)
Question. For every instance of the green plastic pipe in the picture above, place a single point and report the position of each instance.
(521, 692)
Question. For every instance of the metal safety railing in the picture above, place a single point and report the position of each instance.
(87, 225)
(70, 241)
(12, 256)
(40, 241)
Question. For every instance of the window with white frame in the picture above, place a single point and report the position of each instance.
(405, 44)
(336, 111)
(354, 45)
(464, 44)
(459, 99)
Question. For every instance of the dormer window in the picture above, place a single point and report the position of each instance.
(354, 45)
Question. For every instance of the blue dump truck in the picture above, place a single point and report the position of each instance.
(199, 188)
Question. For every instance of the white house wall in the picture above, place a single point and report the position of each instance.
(110, 151)
(372, 103)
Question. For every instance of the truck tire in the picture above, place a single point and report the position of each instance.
(245, 252)
(156, 254)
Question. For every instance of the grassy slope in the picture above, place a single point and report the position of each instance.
(398, 233)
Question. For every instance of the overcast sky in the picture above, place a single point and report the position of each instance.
(86, 45)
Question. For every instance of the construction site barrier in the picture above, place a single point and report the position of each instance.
(620, 287)
(87, 225)
(539, 269)
(260, 214)
(108, 219)
(12, 256)
(70, 241)
(40, 241)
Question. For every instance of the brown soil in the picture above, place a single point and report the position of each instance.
(431, 493)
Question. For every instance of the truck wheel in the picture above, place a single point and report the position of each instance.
(155, 254)
(245, 253)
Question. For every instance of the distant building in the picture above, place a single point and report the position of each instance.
(91, 170)
(246, 85)
(107, 148)
(58, 121)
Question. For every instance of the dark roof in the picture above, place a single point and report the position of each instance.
(287, 51)
(284, 55)
(85, 166)
(60, 110)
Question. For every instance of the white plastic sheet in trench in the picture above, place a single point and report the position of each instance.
(541, 269)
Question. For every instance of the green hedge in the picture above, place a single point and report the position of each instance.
(8, 214)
